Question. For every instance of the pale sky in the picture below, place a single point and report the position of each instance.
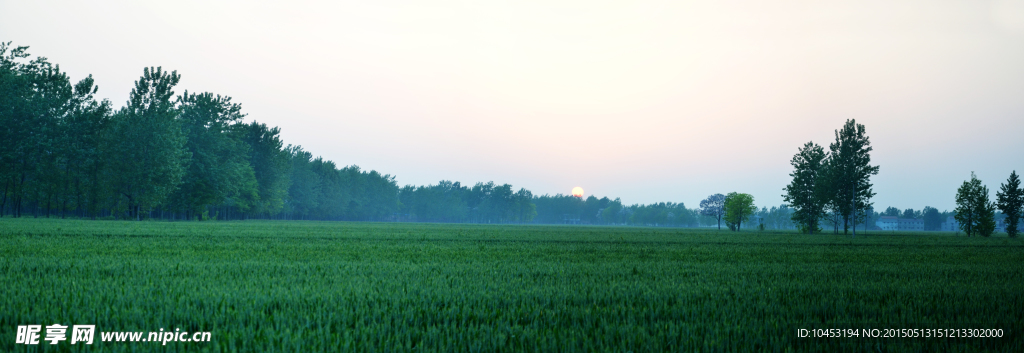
(647, 101)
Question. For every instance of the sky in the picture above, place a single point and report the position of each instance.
(647, 101)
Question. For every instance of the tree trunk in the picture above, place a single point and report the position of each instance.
(3, 204)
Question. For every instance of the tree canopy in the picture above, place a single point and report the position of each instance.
(974, 212)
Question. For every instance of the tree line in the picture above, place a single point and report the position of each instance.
(161, 155)
(190, 156)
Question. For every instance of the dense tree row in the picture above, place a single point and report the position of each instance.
(451, 202)
(162, 155)
(832, 187)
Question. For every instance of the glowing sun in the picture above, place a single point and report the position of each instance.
(577, 191)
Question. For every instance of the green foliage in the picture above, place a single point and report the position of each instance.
(738, 208)
(835, 187)
(805, 193)
(270, 165)
(145, 149)
(849, 172)
(974, 212)
(1010, 200)
(262, 286)
(932, 218)
(218, 169)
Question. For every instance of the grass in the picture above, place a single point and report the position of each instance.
(316, 286)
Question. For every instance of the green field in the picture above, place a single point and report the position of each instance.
(320, 286)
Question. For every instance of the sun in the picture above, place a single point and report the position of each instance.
(577, 191)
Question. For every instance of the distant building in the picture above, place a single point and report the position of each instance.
(911, 224)
(1001, 226)
(887, 223)
(950, 225)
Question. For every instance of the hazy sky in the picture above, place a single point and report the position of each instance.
(647, 101)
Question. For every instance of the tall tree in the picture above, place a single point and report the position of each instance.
(219, 169)
(804, 194)
(1010, 199)
(525, 210)
(974, 212)
(738, 208)
(80, 160)
(146, 148)
(714, 206)
(29, 92)
(271, 165)
(850, 172)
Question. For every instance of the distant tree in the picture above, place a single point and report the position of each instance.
(613, 212)
(714, 206)
(909, 213)
(523, 206)
(932, 218)
(738, 208)
(146, 149)
(850, 172)
(1010, 199)
(974, 212)
(891, 212)
(804, 194)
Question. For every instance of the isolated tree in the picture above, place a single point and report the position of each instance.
(145, 149)
(1009, 200)
(738, 208)
(850, 171)
(974, 212)
(804, 193)
(714, 206)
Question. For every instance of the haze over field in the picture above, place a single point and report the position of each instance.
(660, 101)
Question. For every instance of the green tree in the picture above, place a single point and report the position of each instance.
(146, 148)
(271, 165)
(31, 97)
(850, 172)
(738, 208)
(909, 213)
(974, 212)
(932, 218)
(219, 169)
(613, 212)
(804, 194)
(1010, 199)
(525, 210)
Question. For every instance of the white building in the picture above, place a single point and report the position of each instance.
(887, 223)
(911, 224)
(950, 225)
